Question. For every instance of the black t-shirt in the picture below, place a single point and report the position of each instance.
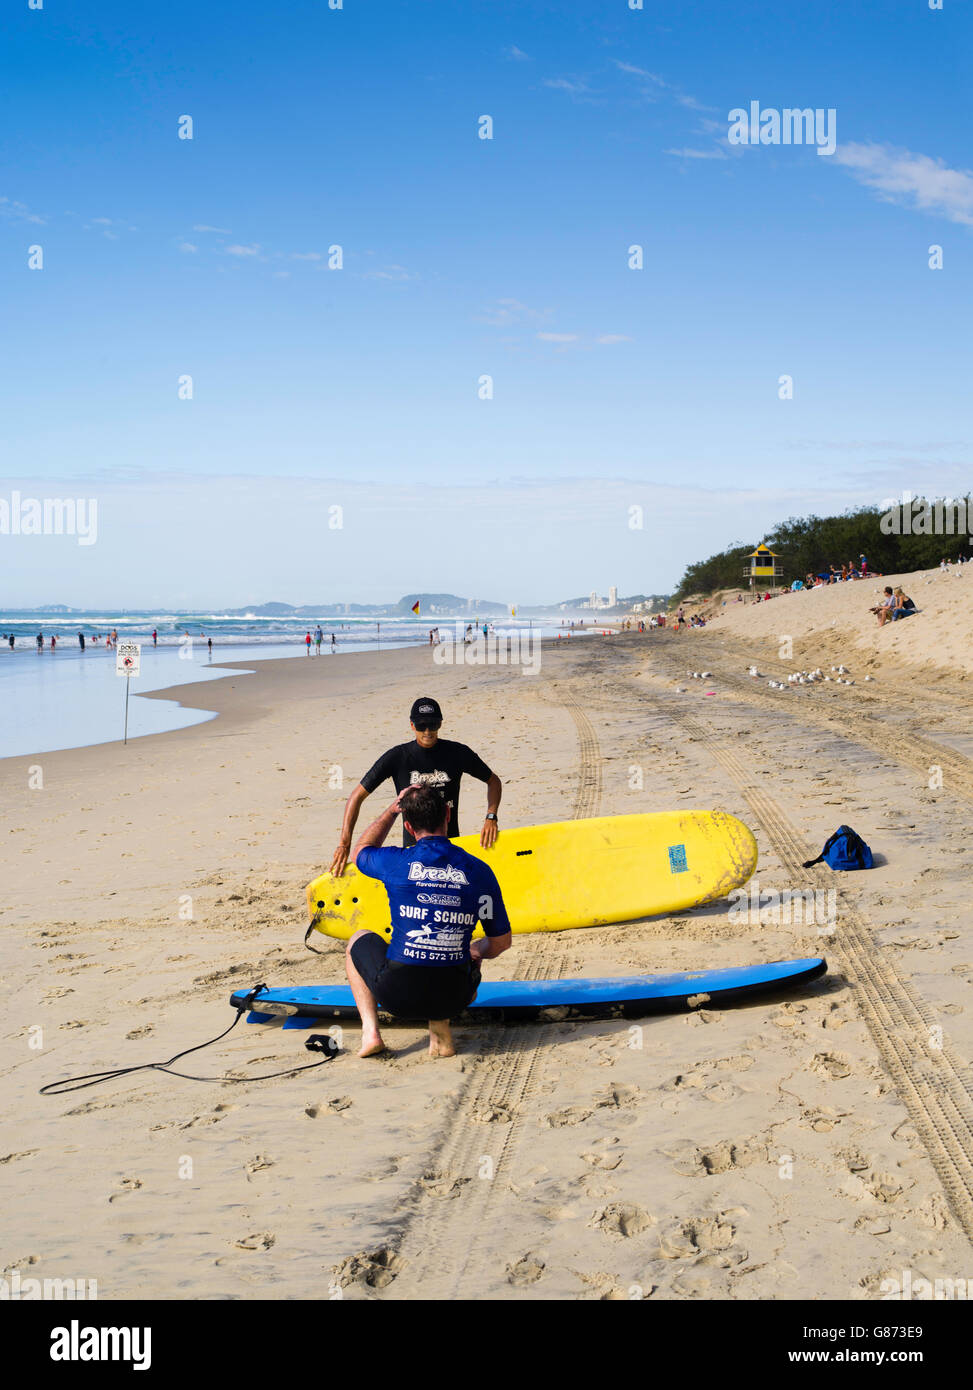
(441, 767)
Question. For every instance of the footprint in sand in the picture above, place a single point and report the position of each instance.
(884, 1187)
(700, 1238)
(333, 1107)
(257, 1164)
(442, 1184)
(855, 1160)
(933, 1212)
(722, 1091)
(822, 1119)
(597, 1186)
(257, 1240)
(386, 1169)
(788, 1016)
(624, 1219)
(571, 1115)
(218, 1113)
(692, 1161)
(140, 1032)
(493, 1113)
(374, 1269)
(835, 1066)
(619, 1096)
(527, 1270)
(127, 1185)
(605, 1154)
(23, 1153)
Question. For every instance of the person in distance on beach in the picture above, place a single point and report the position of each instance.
(427, 761)
(438, 894)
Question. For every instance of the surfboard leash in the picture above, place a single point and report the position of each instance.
(317, 1042)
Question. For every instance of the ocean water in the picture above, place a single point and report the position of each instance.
(67, 698)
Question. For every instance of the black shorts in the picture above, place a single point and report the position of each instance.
(414, 991)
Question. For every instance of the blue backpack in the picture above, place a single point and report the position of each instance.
(845, 849)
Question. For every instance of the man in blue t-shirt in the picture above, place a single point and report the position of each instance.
(438, 895)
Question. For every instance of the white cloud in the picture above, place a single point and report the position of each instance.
(188, 247)
(510, 311)
(305, 255)
(915, 180)
(558, 337)
(517, 54)
(562, 84)
(640, 72)
(608, 338)
(19, 212)
(222, 231)
(243, 250)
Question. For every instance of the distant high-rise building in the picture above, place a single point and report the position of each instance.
(613, 596)
(593, 600)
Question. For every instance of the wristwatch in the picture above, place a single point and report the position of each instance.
(490, 815)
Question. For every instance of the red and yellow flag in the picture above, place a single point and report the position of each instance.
(415, 608)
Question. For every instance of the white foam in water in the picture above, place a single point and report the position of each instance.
(69, 699)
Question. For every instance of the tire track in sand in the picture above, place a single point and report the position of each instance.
(447, 1247)
(915, 751)
(934, 1084)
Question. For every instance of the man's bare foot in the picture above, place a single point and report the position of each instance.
(371, 1045)
(441, 1038)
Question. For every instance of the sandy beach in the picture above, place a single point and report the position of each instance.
(807, 1146)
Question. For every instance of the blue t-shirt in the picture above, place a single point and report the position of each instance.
(438, 894)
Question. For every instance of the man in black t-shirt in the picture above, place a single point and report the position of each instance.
(427, 761)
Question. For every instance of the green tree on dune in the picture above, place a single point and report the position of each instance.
(895, 542)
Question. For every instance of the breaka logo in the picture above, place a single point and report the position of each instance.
(431, 873)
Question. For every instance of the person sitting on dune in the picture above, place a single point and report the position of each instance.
(904, 607)
(882, 610)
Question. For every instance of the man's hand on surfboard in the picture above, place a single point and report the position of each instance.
(340, 858)
(489, 833)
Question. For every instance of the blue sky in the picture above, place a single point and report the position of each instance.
(464, 257)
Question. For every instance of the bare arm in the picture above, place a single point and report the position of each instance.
(488, 834)
(352, 807)
(380, 827)
(486, 947)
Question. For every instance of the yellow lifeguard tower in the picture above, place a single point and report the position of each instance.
(762, 563)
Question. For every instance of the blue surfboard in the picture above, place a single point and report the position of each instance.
(630, 995)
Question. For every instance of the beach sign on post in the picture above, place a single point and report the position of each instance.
(128, 663)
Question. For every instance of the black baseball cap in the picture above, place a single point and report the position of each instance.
(426, 711)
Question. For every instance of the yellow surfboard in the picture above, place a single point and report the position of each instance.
(578, 873)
